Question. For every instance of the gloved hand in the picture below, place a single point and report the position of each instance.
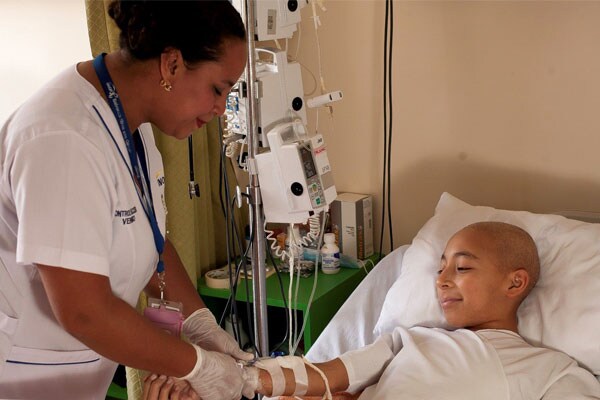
(215, 376)
(251, 382)
(201, 328)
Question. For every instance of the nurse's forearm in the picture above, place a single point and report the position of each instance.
(84, 305)
(179, 287)
(334, 370)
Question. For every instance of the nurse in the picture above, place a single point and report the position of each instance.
(82, 214)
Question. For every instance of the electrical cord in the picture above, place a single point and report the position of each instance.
(243, 264)
(236, 275)
(231, 304)
(387, 125)
(306, 240)
(278, 273)
(233, 277)
(391, 118)
(193, 188)
(224, 180)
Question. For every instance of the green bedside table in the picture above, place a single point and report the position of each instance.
(330, 294)
(116, 392)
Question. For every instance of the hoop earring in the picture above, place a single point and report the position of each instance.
(166, 85)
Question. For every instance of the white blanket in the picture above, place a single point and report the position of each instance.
(352, 326)
(434, 363)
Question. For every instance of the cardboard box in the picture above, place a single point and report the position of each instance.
(352, 223)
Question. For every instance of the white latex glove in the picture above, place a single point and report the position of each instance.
(201, 328)
(215, 376)
(251, 382)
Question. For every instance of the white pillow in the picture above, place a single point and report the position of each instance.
(562, 312)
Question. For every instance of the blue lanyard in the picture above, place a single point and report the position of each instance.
(146, 198)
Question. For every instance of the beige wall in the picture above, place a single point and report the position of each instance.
(38, 39)
(497, 103)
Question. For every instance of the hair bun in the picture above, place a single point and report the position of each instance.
(197, 28)
(139, 22)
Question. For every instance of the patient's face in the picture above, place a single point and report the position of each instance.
(469, 282)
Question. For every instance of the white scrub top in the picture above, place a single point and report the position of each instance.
(67, 199)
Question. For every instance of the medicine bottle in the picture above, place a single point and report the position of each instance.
(330, 255)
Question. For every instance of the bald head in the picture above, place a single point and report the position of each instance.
(512, 247)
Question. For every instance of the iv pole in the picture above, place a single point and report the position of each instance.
(259, 289)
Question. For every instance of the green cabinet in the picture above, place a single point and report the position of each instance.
(331, 292)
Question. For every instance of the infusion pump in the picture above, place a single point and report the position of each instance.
(274, 19)
(295, 176)
(281, 94)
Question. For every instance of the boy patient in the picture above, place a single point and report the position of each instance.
(485, 272)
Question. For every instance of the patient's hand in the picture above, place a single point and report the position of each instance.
(167, 388)
(336, 396)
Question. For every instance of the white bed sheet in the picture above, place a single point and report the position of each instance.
(352, 326)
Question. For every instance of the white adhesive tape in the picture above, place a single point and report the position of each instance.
(217, 278)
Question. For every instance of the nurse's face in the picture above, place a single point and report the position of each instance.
(470, 281)
(199, 93)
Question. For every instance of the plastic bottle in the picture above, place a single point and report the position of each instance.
(330, 254)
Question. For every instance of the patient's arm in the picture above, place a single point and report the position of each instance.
(164, 387)
(350, 372)
(336, 396)
(334, 371)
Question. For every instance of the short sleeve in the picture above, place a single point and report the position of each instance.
(62, 190)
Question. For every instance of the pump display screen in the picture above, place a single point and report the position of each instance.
(307, 161)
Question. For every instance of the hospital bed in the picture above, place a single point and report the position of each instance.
(562, 312)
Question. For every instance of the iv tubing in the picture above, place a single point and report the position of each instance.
(310, 299)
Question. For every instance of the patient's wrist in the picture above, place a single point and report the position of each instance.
(265, 384)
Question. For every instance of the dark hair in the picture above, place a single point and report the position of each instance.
(196, 28)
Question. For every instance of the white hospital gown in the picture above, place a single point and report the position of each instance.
(429, 363)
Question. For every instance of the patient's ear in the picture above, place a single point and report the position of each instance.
(518, 282)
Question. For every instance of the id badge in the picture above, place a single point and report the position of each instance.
(167, 315)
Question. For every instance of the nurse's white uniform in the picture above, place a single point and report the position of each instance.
(67, 199)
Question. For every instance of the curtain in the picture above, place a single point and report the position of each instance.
(196, 227)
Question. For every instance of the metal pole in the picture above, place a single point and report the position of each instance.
(259, 288)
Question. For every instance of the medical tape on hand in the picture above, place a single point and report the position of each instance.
(271, 365)
(296, 364)
(327, 395)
